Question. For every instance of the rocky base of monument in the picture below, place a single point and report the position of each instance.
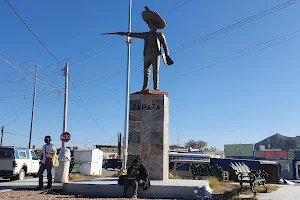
(168, 189)
(148, 131)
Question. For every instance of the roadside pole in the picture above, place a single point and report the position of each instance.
(62, 172)
(2, 133)
(33, 106)
(126, 124)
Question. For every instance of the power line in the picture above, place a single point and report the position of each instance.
(215, 33)
(236, 25)
(13, 108)
(112, 38)
(25, 136)
(184, 72)
(17, 112)
(246, 49)
(104, 94)
(32, 31)
(88, 112)
(165, 8)
(6, 59)
(87, 142)
(241, 55)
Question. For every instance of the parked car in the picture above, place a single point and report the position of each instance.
(182, 168)
(113, 163)
(104, 162)
(16, 163)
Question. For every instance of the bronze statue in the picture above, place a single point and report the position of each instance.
(152, 46)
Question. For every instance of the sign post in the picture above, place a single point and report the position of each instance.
(62, 172)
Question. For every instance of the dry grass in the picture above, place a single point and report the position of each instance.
(80, 177)
(174, 176)
(243, 198)
(259, 189)
(247, 192)
(216, 184)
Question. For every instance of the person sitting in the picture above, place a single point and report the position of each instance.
(137, 175)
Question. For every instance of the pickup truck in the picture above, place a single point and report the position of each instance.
(113, 163)
(16, 163)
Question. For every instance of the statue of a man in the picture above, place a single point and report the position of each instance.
(153, 41)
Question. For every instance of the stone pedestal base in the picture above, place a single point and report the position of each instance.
(148, 132)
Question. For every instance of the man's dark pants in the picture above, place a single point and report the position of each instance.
(44, 167)
(135, 185)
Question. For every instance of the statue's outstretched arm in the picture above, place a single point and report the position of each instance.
(163, 41)
(134, 35)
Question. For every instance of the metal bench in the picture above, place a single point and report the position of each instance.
(245, 175)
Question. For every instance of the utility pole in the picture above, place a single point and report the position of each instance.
(66, 74)
(126, 126)
(62, 171)
(33, 106)
(2, 133)
(178, 144)
(119, 145)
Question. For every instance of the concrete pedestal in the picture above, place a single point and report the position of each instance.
(148, 132)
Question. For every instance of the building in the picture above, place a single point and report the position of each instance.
(241, 151)
(289, 160)
(109, 151)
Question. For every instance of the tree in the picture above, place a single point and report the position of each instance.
(174, 146)
(195, 144)
(214, 149)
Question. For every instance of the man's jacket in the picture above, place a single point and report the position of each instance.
(143, 175)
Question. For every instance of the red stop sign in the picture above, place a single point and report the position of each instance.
(65, 137)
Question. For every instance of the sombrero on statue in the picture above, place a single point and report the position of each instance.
(147, 15)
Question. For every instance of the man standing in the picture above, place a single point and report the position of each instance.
(48, 151)
(153, 41)
(137, 174)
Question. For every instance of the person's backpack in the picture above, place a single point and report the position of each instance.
(121, 179)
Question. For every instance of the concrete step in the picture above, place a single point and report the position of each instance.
(172, 189)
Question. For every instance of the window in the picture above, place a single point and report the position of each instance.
(22, 154)
(183, 167)
(33, 156)
(171, 165)
(5, 154)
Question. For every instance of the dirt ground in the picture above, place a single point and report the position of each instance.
(50, 195)
(38, 195)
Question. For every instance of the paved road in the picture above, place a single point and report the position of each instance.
(285, 192)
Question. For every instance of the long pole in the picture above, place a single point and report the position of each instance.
(66, 70)
(2, 133)
(33, 106)
(126, 127)
(62, 172)
(119, 145)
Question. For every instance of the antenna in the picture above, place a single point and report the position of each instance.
(178, 144)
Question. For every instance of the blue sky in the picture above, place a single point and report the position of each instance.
(236, 99)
